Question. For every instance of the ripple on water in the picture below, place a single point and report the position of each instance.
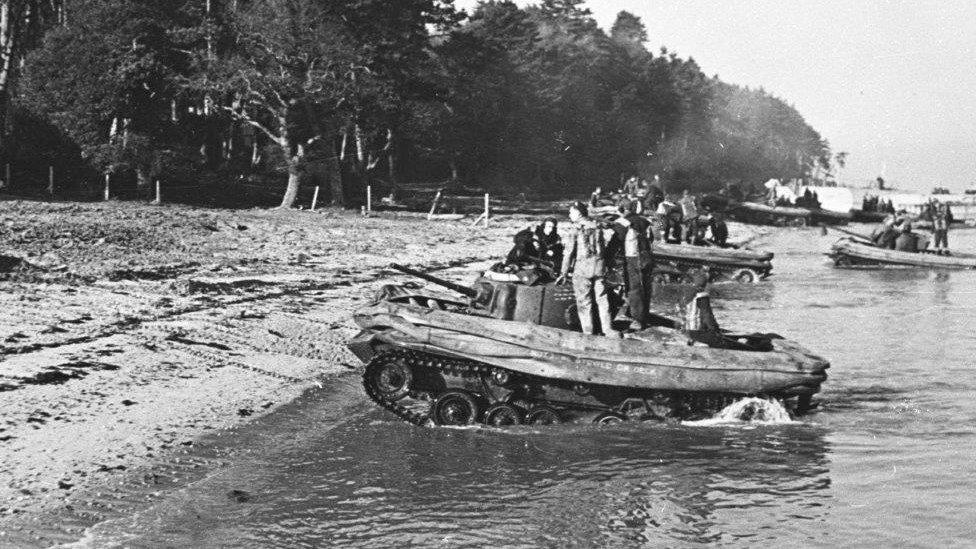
(887, 456)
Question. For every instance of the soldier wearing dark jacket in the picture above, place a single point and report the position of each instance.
(631, 248)
(549, 242)
(525, 249)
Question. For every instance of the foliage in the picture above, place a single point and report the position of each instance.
(536, 99)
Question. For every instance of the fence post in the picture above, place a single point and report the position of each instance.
(50, 180)
(433, 206)
(159, 193)
(107, 180)
(315, 197)
(487, 208)
(369, 198)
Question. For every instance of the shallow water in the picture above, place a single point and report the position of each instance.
(887, 460)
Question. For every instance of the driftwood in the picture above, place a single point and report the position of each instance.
(864, 253)
(662, 362)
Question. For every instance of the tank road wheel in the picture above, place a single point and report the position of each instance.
(500, 377)
(543, 416)
(390, 376)
(609, 418)
(503, 415)
(455, 408)
(746, 276)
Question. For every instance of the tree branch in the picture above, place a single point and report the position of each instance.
(244, 117)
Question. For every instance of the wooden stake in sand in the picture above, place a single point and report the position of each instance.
(50, 180)
(108, 178)
(369, 198)
(159, 194)
(433, 206)
(487, 208)
(315, 197)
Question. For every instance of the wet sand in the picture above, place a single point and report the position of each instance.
(128, 332)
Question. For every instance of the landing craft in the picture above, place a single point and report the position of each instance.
(508, 354)
(858, 252)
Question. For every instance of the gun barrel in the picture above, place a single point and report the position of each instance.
(851, 233)
(464, 290)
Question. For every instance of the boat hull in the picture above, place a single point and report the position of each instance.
(851, 253)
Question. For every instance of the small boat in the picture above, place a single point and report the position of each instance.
(853, 252)
(753, 212)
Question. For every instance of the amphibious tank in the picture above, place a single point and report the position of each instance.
(860, 252)
(676, 263)
(506, 354)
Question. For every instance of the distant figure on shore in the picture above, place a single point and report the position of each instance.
(584, 255)
(595, 197)
(631, 187)
(689, 216)
(940, 226)
(719, 230)
(669, 214)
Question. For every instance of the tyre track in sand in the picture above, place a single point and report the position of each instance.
(142, 387)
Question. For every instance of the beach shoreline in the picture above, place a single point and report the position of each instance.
(129, 331)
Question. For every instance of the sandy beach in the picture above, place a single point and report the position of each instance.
(126, 331)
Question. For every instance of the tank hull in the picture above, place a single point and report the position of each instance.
(566, 371)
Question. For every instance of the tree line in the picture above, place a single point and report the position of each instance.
(347, 93)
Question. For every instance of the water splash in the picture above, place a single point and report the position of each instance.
(751, 410)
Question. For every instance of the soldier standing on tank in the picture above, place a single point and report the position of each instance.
(631, 245)
(584, 252)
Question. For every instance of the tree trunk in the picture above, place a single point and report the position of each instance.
(295, 166)
(391, 168)
(6, 64)
(334, 173)
(294, 181)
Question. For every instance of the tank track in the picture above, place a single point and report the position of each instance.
(434, 368)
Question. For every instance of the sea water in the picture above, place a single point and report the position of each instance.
(887, 459)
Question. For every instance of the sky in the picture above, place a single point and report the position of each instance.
(892, 83)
